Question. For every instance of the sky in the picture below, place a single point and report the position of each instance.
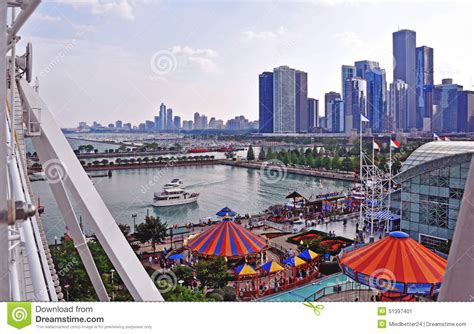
(104, 60)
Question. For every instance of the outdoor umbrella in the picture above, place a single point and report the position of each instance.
(308, 255)
(175, 257)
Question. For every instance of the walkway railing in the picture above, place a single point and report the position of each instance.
(338, 288)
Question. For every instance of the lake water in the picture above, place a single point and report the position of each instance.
(244, 190)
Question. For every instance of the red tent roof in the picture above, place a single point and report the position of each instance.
(227, 239)
(407, 265)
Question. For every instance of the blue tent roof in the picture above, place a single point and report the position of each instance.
(176, 257)
(226, 211)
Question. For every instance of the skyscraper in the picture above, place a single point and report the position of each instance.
(162, 124)
(177, 123)
(397, 105)
(424, 85)
(301, 101)
(118, 124)
(335, 119)
(313, 114)
(376, 98)
(447, 116)
(347, 72)
(197, 121)
(265, 102)
(467, 106)
(169, 119)
(284, 96)
(404, 45)
(328, 98)
(157, 122)
(355, 103)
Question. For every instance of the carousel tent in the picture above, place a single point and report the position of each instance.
(397, 264)
(226, 212)
(244, 270)
(308, 255)
(227, 239)
(294, 261)
(271, 267)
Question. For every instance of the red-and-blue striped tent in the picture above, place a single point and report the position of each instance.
(227, 239)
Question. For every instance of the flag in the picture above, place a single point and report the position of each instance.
(436, 137)
(394, 143)
(376, 145)
(363, 118)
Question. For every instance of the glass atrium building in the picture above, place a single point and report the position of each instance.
(432, 183)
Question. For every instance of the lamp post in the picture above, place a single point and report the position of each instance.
(113, 285)
(67, 291)
(134, 216)
(171, 236)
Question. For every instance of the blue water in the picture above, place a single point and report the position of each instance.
(305, 291)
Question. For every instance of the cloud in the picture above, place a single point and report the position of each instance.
(202, 58)
(349, 38)
(47, 18)
(120, 8)
(250, 35)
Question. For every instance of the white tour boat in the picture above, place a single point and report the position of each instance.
(174, 196)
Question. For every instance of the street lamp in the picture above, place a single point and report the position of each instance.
(134, 216)
(67, 291)
(112, 279)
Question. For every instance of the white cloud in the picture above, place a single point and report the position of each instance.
(203, 58)
(349, 38)
(250, 35)
(120, 8)
(43, 17)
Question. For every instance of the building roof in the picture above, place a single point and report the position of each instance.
(436, 150)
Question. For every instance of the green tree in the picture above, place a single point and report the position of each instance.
(153, 230)
(270, 154)
(261, 154)
(383, 164)
(180, 293)
(347, 164)
(250, 154)
(326, 162)
(125, 229)
(183, 273)
(336, 163)
(212, 273)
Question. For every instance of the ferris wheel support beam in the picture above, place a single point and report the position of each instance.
(95, 212)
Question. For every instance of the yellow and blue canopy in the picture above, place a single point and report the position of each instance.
(308, 255)
(226, 212)
(244, 270)
(271, 267)
(294, 261)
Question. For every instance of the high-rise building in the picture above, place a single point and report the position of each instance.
(162, 119)
(204, 122)
(141, 127)
(362, 66)
(397, 105)
(313, 114)
(355, 104)
(347, 72)
(446, 115)
(284, 96)
(335, 118)
(301, 101)
(149, 125)
(376, 98)
(118, 124)
(127, 126)
(424, 85)
(188, 125)
(197, 121)
(176, 123)
(404, 45)
(157, 122)
(169, 119)
(328, 98)
(265, 102)
(466, 104)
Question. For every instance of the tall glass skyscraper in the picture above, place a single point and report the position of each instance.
(301, 101)
(347, 72)
(376, 98)
(446, 117)
(355, 103)
(397, 105)
(162, 124)
(328, 98)
(313, 114)
(265, 102)
(284, 100)
(404, 45)
(424, 85)
(362, 66)
(169, 119)
(335, 118)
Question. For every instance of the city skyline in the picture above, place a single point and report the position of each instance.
(218, 77)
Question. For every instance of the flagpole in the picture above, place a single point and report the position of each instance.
(371, 238)
(389, 181)
(360, 172)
